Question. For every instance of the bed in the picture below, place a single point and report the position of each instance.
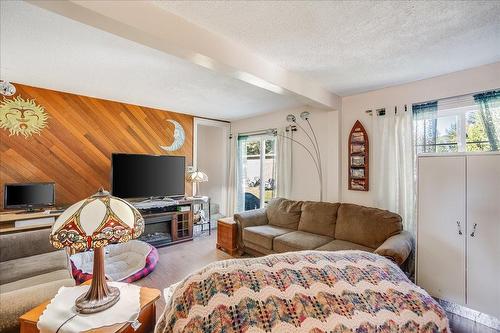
(308, 291)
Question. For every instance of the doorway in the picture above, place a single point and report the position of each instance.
(211, 156)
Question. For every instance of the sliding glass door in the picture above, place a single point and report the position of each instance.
(256, 170)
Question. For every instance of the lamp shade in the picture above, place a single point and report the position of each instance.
(197, 177)
(96, 222)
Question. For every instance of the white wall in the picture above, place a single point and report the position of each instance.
(305, 180)
(212, 151)
(333, 128)
(353, 108)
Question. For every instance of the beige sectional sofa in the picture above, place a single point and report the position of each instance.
(31, 272)
(287, 225)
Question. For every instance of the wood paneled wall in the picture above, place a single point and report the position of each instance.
(75, 149)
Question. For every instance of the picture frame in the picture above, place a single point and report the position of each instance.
(358, 173)
(357, 137)
(358, 184)
(357, 161)
(357, 149)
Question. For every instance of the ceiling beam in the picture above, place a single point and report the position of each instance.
(147, 24)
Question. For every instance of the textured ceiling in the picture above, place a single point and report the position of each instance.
(44, 49)
(356, 46)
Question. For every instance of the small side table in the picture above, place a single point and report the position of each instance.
(147, 316)
(227, 235)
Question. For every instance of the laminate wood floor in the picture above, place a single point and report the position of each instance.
(177, 261)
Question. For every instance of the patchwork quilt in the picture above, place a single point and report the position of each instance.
(308, 291)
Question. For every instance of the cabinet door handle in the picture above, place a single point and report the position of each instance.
(473, 233)
(459, 228)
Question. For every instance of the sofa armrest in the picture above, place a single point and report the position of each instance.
(397, 247)
(249, 218)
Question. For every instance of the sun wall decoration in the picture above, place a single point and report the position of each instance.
(20, 116)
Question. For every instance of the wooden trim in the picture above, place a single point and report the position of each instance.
(213, 119)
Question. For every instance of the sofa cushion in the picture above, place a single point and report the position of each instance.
(318, 217)
(23, 268)
(256, 250)
(249, 218)
(340, 245)
(366, 226)
(263, 235)
(299, 240)
(284, 213)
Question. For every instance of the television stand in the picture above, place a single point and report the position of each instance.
(168, 224)
(12, 222)
(29, 210)
(155, 199)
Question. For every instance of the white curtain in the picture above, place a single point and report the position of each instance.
(241, 173)
(232, 198)
(394, 161)
(283, 164)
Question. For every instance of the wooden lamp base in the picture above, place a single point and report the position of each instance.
(100, 296)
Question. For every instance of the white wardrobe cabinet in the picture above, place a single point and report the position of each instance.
(458, 229)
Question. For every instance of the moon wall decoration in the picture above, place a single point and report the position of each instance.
(179, 137)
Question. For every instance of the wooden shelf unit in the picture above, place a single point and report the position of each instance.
(359, 158)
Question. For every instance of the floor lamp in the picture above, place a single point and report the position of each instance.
(315, 154)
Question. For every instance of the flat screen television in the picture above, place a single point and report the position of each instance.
(144, 176)
(28, 195)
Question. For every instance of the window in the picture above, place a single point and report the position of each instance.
(462, 124)
(256, 170)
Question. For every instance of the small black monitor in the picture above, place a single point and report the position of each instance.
(29, 195)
